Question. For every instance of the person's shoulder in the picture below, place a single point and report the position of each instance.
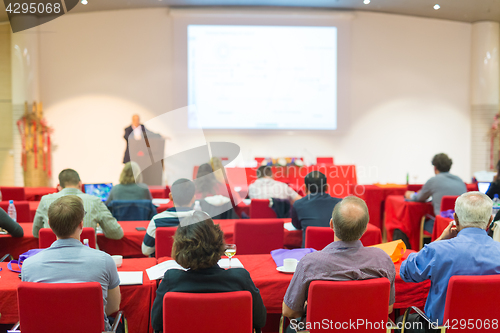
(377, 254)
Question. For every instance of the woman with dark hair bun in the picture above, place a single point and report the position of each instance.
(198, 246)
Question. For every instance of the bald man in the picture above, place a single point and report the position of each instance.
(139, 132)
(343, 259)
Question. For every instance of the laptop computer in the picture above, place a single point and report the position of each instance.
(98, 190)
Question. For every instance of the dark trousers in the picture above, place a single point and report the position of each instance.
(415, 324)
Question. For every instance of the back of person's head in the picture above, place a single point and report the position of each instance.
(350, 218)
(182, 191)
(264, 171)
(198, 242)
(65, 214)
(68, 177)
(442, 162)
(216, 163)
(127, 175)
(473, 209)
(315, 182)
(205, 180)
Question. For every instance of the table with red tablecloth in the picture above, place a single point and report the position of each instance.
(293, 238)
(406, 216)
(136, 300)
(36, 193)
(374, 196)
(273, 284)
(440, 223)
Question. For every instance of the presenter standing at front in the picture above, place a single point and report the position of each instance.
(139, 133)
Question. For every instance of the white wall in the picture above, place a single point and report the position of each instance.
(409, 94)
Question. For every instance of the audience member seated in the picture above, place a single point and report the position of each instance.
(265, 187)
(96, 211)
(464, 249)
(343, 259)
(67, 260)
(443, 183)
(129, 187)
(495, 184)
(9, 225)
(182, 195)
(315, 209)
(198, 246)
(216, 165)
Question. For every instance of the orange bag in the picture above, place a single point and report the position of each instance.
(394, 249)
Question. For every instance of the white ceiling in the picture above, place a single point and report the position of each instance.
(456, 10)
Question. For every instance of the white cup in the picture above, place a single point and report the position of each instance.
(290, 264)
(118, 260)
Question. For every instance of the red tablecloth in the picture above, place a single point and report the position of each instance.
(440, 223)
(293, 239)
(16, 246)
(136, 300)
(406, 216)
(273, 284)
(36, 193)
(374, 196)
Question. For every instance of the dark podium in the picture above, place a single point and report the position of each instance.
(148, 152)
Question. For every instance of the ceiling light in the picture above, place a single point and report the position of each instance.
(84, 2)
(436, 6)
(366, 2)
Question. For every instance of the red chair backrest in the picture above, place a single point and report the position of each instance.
(22, 210)
(259, 160)
(235, 308)
(318, 237)
(324, 160)
(259, 209)
(46, 237)
(472, 297)
(344, 301)
(414, 187)
(13, 193)
(44, 307)
(258, 236)
(448, 202)
(164, 241)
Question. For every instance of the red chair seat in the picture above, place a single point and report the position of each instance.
(22, 210)
(259, 209)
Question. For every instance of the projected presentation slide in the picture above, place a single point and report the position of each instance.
(262, 77)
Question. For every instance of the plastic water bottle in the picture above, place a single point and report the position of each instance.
(197, 206)
(496, 205)
(11, 211)
(86, 242)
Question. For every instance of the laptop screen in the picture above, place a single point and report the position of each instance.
(483, 187)
(99, 190)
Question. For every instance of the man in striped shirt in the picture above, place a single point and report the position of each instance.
(182, 195)
(95, 210)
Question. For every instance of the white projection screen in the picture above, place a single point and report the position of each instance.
(261, 70)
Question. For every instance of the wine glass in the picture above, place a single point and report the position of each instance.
(230, 252)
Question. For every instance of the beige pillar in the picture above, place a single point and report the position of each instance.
(485, 91)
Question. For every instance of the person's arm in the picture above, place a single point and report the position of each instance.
(295, 218)
(292, 195)
(449, 232)
(11, 226)
(295, 297)
(292, 314)
(417, 267)
(148, 244)
(108, 223)
(113, 301)
(41, 217)
(425, 192)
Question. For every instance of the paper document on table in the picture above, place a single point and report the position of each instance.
(130, 278)
(157, 202)
(156, 272)
(289, 226)
(235, 263)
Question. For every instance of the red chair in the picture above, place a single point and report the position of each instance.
(324, 160)
(318, 237)
(448, 202)
(227, 312)
(46, 237)
(470, 297)
(13, 193)
(22, 210)
(258, 236)
(414, 187)
(367, 299)
(259, 209)
(41, 306)
(164, 240)
(259, 160)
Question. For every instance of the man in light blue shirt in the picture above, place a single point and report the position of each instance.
(462, 250)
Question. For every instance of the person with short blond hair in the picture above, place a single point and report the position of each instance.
(462, 249)
(67, 260)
